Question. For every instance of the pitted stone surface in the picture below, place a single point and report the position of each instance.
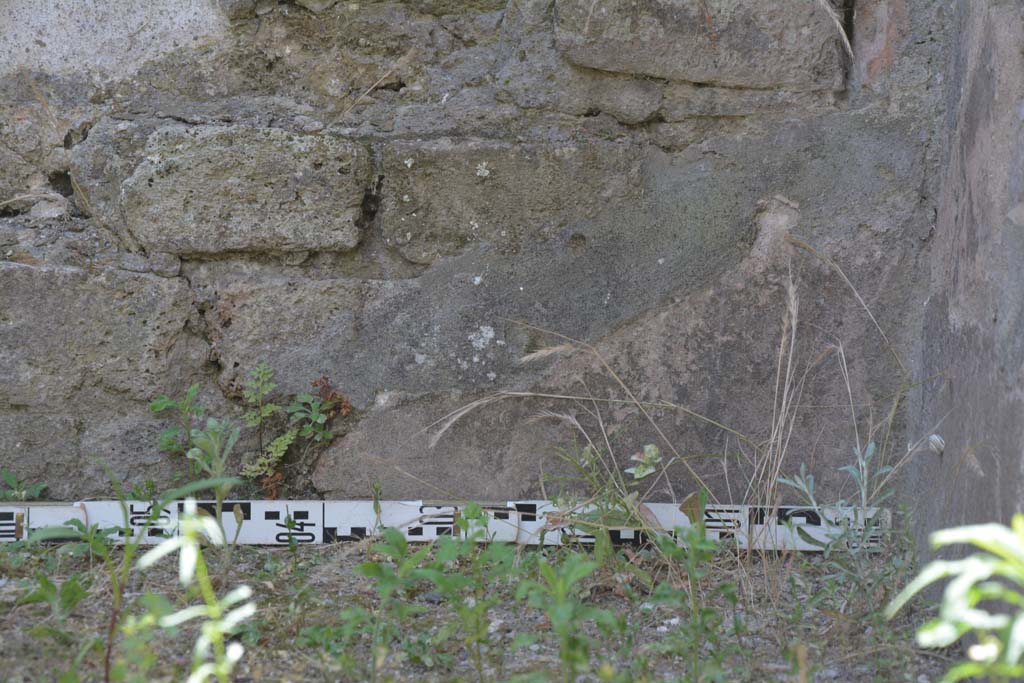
(444, 194)
(207, 189)
(768, 44)
(65, 327)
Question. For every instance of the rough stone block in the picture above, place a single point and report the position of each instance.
(483, 453)
(62, 329)
(442, 195)
(685, 100)
(628, 100)
(770, 44)
(274, 191)
(369, 337)
(100, 36)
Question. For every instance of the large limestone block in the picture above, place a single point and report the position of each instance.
(973, 355)
(737, 43)
(682, 101)
(110, 39)
(369, 337)
(489, 454)
(207, 189)
(444, 194)
(210, 189)
(64, 330)
(682, 290)
(303, 328)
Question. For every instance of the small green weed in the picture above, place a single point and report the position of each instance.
(393, 580)
(557, 593)
(698, 637)
(266, 465)
(61, 599)
(256, 391)
(340, 643)
(470, 577)
(15, 489)
(178, 439)
(310, 414)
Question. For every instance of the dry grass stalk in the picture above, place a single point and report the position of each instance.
(769, 458)
(832, 264)
(31, 195)
(545, 352)
(833, 14)
(400, 64)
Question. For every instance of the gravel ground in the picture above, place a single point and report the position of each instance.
(787, 635)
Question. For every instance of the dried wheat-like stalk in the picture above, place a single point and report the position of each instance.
(833, 14)
(547, 351)
(400, 64)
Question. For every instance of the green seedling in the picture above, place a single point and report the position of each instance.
(255, 392)
(15, 489)
(698, 635)
(211, 451)
(393, 580)
(178, 439)
(470, 576)
(309, 413)
(62, 599)
(268, 462)
(340, 643)
(558, 594)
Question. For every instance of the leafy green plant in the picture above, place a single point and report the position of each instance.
(61, 599)
(647, 462)
(869, 480)
(854, 552)
(178, 439)
(211, 450)
(698, 636)
(89, 540)
(265, 465)
(118, 565)
(607, 501)
(138, 631)
(393, 580)
(991, 579)
(469, 576)
(558, 594)
(340, 642)
(212, 446)
(213, 656)
(15, 489)
(425, 649)
(310, 414)
(255, 392)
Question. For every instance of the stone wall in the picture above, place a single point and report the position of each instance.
(973, 336)
(408, 197)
